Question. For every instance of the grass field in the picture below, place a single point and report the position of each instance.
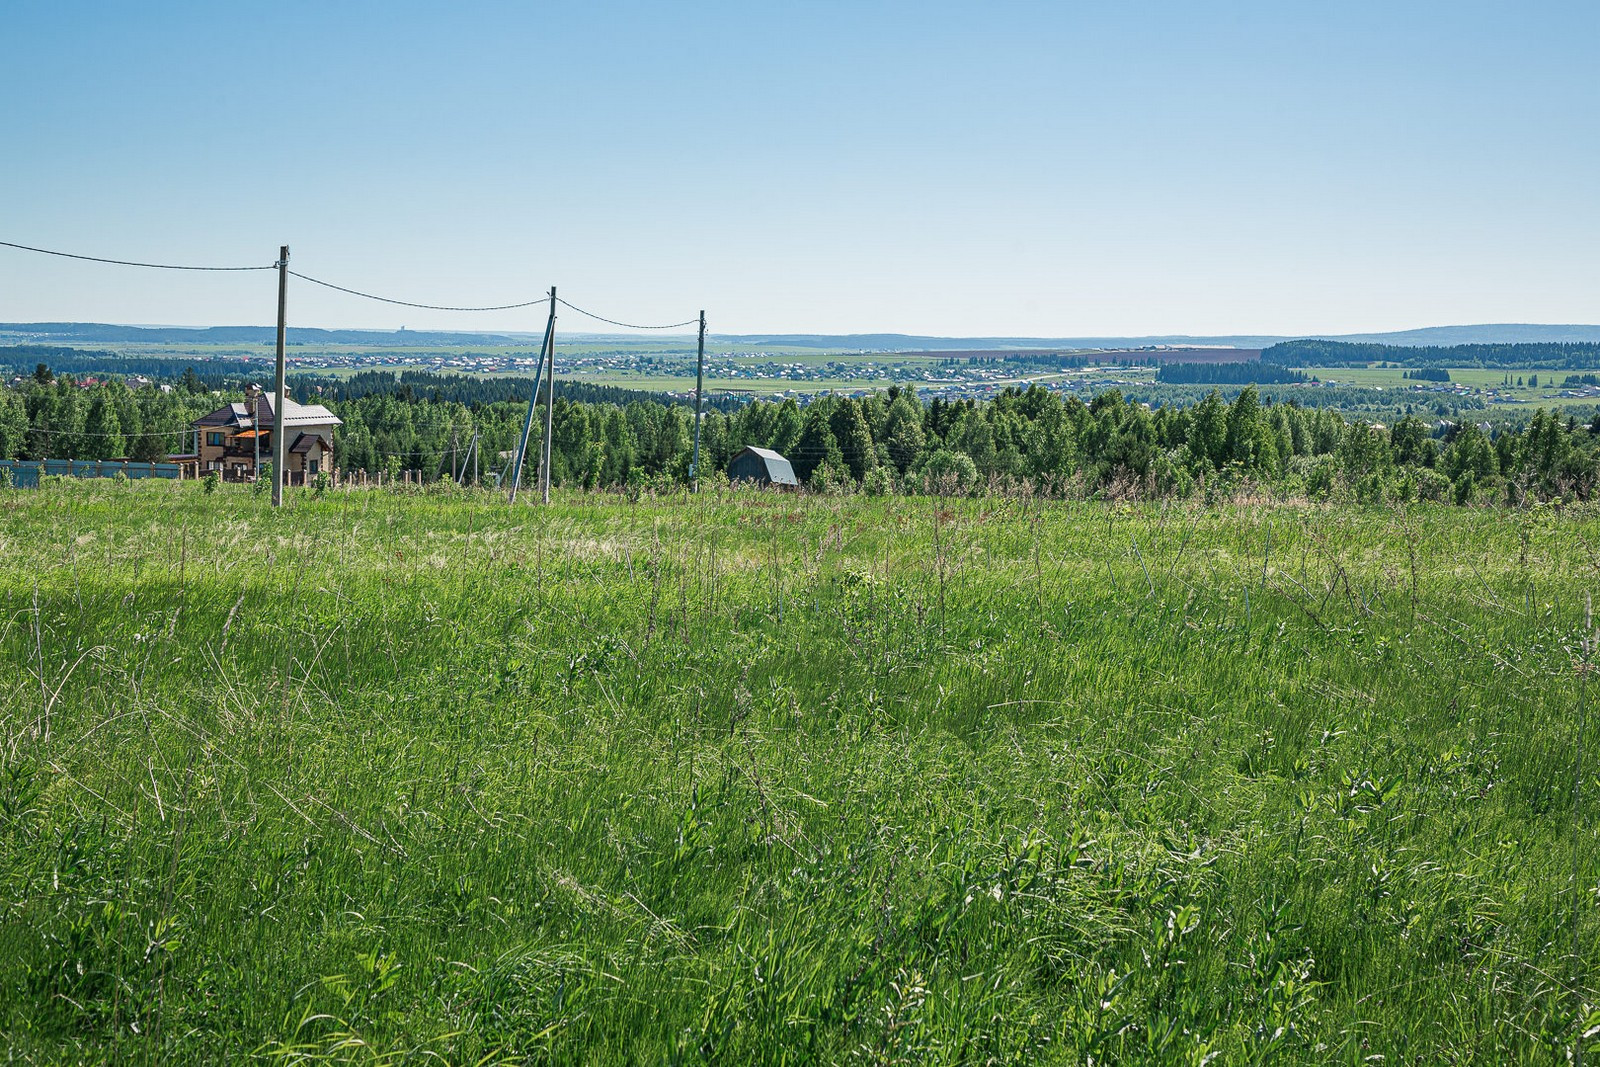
(1508, 398)
(753, 778)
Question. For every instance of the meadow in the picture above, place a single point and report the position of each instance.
(1508, 398)
(751, 778)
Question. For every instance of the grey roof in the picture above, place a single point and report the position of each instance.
(294, 414)
(239, 414)
(778, 469)
(230, 415)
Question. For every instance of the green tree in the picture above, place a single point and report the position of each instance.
(903, 430)
(13, 425)
(849, 428)
(817, 444)
(1208, 432)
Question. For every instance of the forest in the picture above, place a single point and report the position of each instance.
(475, 390)
(1348, 354)
(885, 442)
(1241, 373)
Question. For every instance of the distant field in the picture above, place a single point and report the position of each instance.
(1509, 397)
(749, 778)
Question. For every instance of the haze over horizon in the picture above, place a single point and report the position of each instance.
(1045, 170)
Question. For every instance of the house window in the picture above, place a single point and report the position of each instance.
(214, 438)
(312, 464)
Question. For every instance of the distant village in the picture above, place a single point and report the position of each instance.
(933, 374)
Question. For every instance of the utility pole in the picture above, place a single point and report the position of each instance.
(550, 402)
(472, 454)
(533, 403)
(279, 409)
(699, 394)
(255, 425)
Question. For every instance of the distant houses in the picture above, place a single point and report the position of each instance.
(236, 440)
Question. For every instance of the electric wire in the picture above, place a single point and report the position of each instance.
(86, 433)
(128, 262)
(627, 325)
(410, 304)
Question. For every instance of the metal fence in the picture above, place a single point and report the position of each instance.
(26, 474)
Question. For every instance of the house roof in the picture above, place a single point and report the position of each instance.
(240, 413)
(304, 442)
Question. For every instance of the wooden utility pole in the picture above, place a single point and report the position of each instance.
(699, 405)
(550, 394)
(279, 437)
(533, 403)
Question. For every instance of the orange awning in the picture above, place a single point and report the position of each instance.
(245, 433)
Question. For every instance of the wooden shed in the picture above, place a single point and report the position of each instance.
(762, 466)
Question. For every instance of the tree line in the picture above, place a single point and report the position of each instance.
(474, 389)
(890, 441)
(1240, 373)
(1544, 356)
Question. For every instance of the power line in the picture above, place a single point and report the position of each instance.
(409, 304)
(627, 325)
(125, 262)
(86, 433)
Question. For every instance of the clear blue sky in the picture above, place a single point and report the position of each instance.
(1055, 169)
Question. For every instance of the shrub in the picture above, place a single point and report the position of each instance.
(211, 481)
(946, 473)
(1370, 489)
(1317, 472)
(1431, 485)
(828, 478)
(879, 482)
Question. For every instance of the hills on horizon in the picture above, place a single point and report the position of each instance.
(1427, 336)
(1442, 336)
(108, 333)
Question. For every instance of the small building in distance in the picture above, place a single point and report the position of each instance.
(231, 439)
(762, 466)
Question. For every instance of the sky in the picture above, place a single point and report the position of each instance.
(1000, 169)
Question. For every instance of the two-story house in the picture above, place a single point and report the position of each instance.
(236, 440)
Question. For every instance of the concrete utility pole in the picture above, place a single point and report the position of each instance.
(699, 405)
(472, 454)
(533, 403)
(550, 402)
(254, 396)
(279, 443)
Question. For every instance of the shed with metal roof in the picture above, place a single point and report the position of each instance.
(762, 466)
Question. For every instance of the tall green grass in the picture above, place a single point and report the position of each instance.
(756, 778)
